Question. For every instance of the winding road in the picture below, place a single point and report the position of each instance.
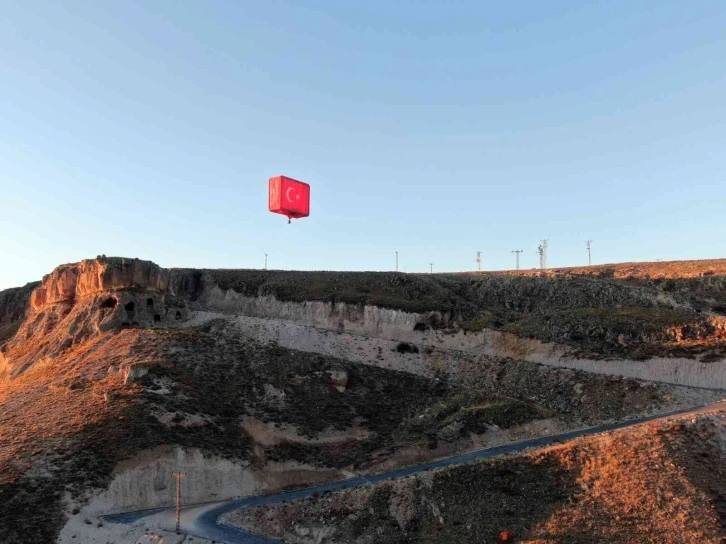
(203, 520)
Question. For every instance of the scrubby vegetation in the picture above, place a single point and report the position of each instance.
(652, 484)
(631, 332)
(473, 411)
(13, 304)
(66, 424)
(71, 416)
(599, 312)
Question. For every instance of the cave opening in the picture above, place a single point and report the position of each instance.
(109, 303)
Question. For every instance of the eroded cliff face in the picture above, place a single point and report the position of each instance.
(81, 300)
(591, 318)
(70, 282)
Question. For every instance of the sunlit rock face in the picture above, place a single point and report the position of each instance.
(73, 281)
(79, 301)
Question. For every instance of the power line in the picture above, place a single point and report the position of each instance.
(543, 254)
(179, 476)
(589, 252)
(517, 251)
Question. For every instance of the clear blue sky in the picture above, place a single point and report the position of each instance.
(433, 128)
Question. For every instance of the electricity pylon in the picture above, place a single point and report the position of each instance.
(543, 254)
(517, 251)
(589, 252)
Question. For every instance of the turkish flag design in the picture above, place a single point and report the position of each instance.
(289, 197)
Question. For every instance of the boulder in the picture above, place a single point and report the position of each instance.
(450, 432)
(338, 379)
(136, 371)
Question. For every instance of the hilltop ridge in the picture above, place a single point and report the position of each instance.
(605, 311)
(635, 270)
(251, 381)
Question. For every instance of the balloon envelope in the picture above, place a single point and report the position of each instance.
(289, 197)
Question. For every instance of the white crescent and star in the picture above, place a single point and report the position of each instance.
(287, 194)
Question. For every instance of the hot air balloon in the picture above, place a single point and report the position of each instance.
(289, 197)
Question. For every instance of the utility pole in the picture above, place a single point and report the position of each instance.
(432, 268)
(589, 252)
(517, 252)
(478, 260)
(265, 261)
(543, 254)
(179, 476)
(396, 261)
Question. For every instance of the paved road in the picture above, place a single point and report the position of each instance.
(203, 521)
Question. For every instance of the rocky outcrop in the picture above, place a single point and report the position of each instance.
(103, 274)
(136, 371)
(83, 300)
(592, 317)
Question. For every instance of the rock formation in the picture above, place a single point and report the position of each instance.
(81, 300)
(285, 378)
(70, 282)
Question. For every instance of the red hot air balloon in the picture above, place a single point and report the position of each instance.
(289, 197)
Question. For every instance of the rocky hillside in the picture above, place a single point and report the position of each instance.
(596, 315)
(118, 363)
(634, 310)
(652, 484)
(642, 270)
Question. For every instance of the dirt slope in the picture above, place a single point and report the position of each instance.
(68, 421)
